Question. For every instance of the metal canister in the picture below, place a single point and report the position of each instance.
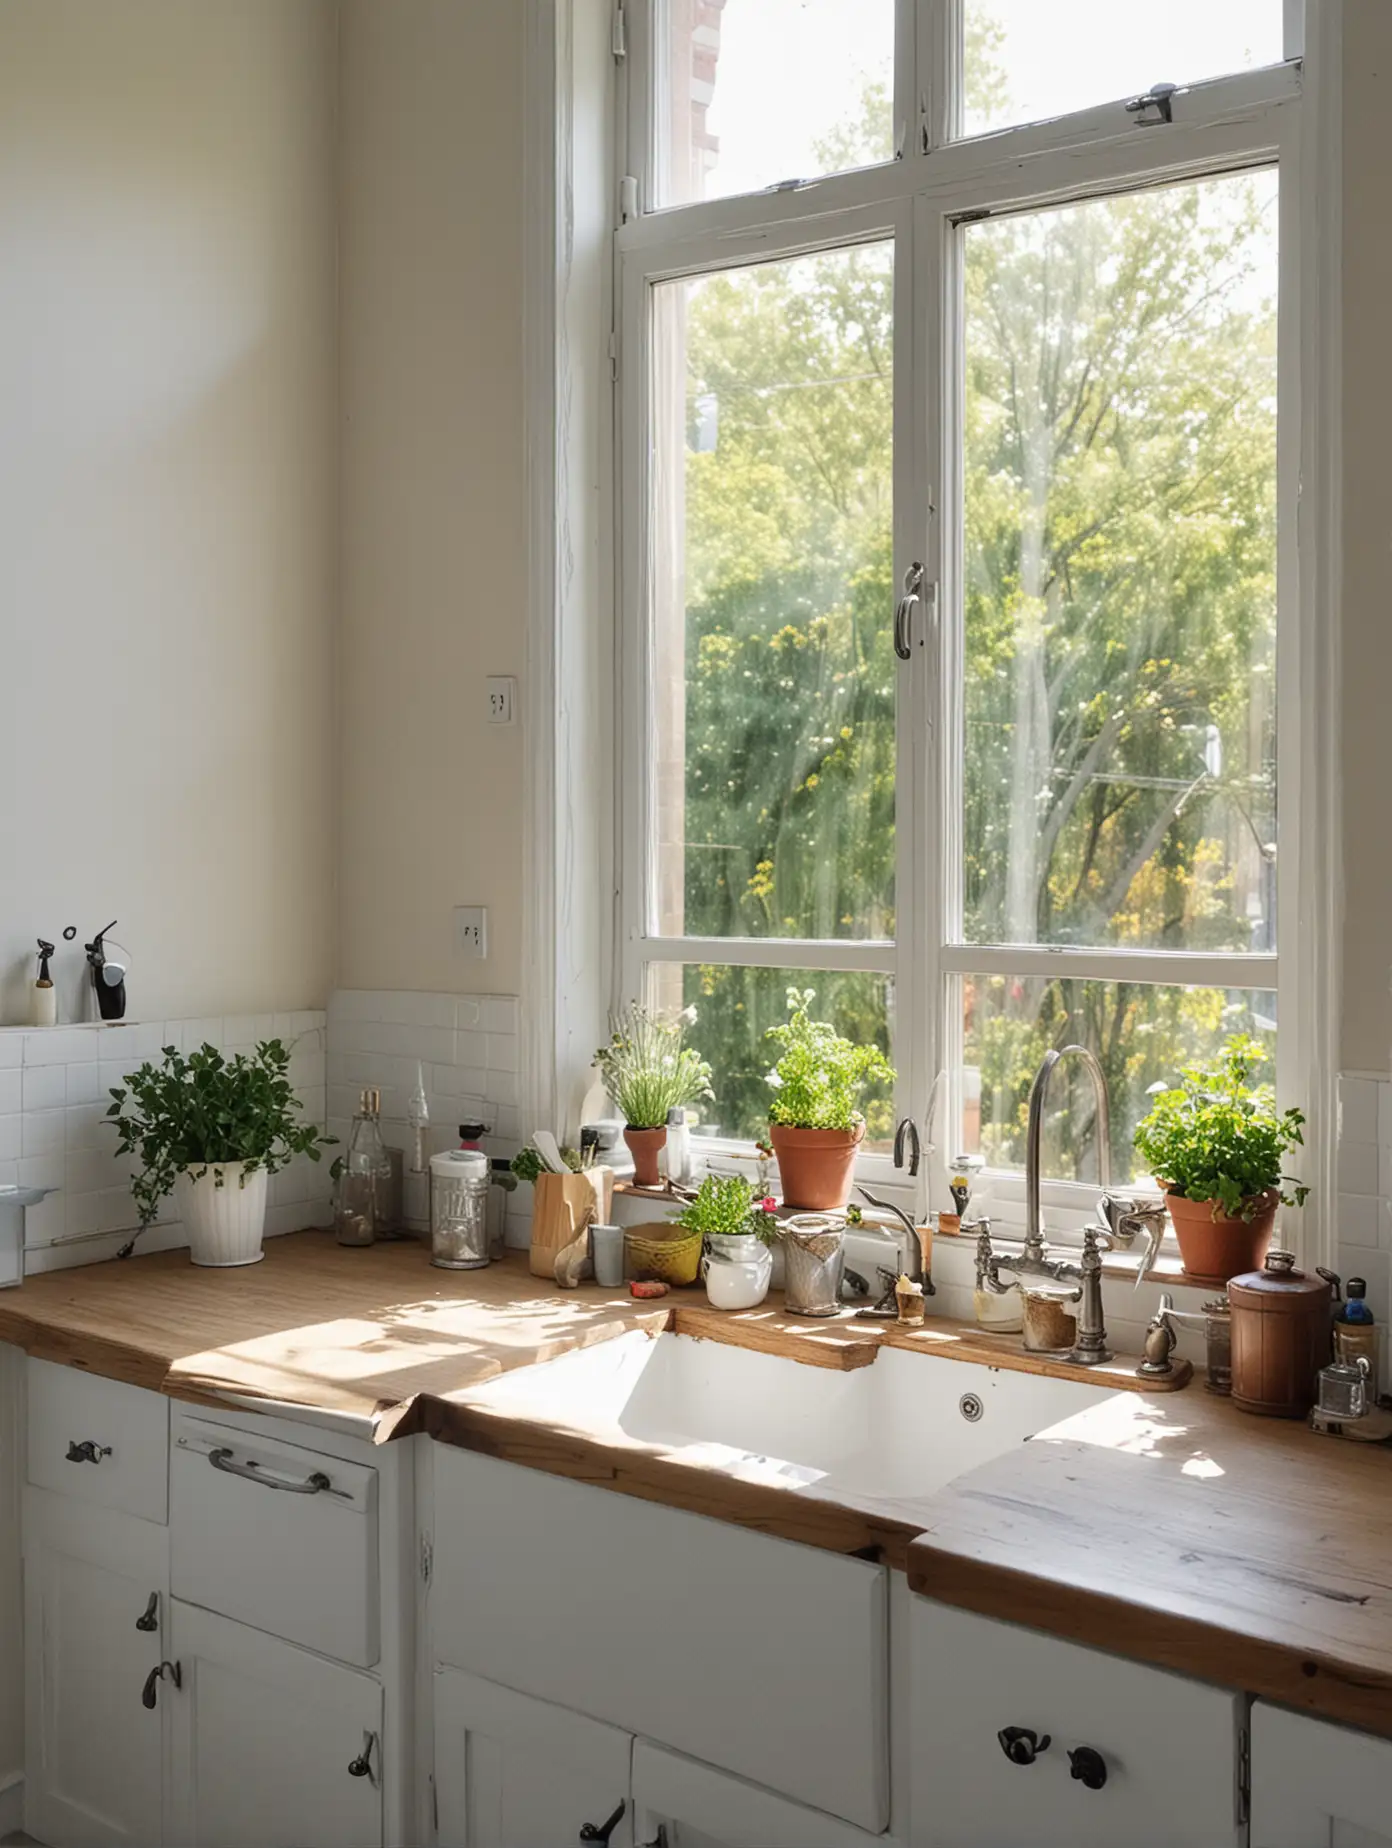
(459, 1186)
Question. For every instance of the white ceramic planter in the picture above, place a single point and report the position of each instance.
(225, 1223)
(737, 1271)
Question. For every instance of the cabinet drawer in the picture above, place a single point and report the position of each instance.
(277, 1537)
(1155, 1733)
(98, 1440)
(763, 1657)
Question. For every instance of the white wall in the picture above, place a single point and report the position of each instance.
(167, 495)
(1367, 614)
(433, 492)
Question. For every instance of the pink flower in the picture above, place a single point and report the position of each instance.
(768, 1203)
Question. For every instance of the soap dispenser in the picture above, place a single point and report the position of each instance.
(108, 977)
(43, 997)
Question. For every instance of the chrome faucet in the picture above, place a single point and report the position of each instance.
(910, 1265)
(1125, 1217)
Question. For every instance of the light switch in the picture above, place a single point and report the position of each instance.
(471, 930)
(502, 699)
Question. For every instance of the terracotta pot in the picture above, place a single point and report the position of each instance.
(645, 1145)
(1215, 1249)
(816, 1165)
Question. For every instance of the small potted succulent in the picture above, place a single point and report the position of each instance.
(212, 1131)
(1216, 1143)
(737, 1227)
(649, 1071)
(815, 1123)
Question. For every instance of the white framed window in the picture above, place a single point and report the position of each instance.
(959, 448)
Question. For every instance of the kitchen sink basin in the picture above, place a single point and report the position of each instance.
(897, 1429)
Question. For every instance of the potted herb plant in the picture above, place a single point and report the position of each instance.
(212, 1131)
(1216, 1143)
(815, 1122)
(649, 1070)
(737, 1227)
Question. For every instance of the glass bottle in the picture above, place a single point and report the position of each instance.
(365, 1184)
(1357, 1335)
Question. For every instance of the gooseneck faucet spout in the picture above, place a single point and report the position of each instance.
(1035, 1254)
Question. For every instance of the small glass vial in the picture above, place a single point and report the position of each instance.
(364, 1188)
(1343, 1389)
(1218, 1338)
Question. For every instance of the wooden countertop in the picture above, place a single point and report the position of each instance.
(1170, 1528)
(1251, 1552)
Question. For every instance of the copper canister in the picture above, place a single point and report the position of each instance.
(1282, 1334)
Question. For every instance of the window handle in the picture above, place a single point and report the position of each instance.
(904, 609)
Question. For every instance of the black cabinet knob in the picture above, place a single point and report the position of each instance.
(1088, 1766)
(1022, 1746)
(150, 1621)
(87, 1451)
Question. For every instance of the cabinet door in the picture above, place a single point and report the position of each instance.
(271, 1747)
(1166, 1747)
(684, 1804)
(94, 1751)
(514, 1772)
(1318, 1786)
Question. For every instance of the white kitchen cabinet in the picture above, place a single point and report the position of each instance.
(695, 1807)
(756, 1655)
(95, 1616)
(272, 1747)
(514, 1772)
(1163, 1749)
(1318, 1786)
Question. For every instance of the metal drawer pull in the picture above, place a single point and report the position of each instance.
(600, 1832)
(150, 1621)
(87, 1451)
(167, 1671)
(1088, 1766)
(1021, 1745)
(317, 1484)
(361, 1766)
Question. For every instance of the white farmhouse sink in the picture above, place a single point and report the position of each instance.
(892, 1430)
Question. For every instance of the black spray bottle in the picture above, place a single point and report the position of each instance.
(108, 977)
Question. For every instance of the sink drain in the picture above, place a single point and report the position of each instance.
(970, 1407)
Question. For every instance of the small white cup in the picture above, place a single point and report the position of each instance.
(607, 1249)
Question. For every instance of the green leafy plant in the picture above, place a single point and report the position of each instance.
(527, 1163)
(1216, 1136)
(648, 1069)
(726, 1205)
(199, 1111)
(818, 1081)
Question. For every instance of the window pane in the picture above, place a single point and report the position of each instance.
(751, 92)
(1120, 593)
(773, 600)
(1141, 1035)
(734, 1010)
(1027, 60)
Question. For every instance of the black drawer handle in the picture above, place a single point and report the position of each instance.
(600, 1832)
(167, 1671)
(87, 1451)
(1022, 1746)
(150, 1621)
(361, 1766)
(1089, 1767)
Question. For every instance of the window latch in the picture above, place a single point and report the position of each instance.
(1159, 99)
(904, 609)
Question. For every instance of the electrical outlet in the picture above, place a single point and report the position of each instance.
(502, 699)
(471, 930)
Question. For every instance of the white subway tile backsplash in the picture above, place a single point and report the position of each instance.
(43, 1132)
(468, 1012)
(62, 1045)
(11, 1091)
(1358, 1167)
(1385, 1111)
(500, 1014)
(1359, 1220)
(84, 1083)
(11, 1137)
(41, 1171)
(87, 1128)
(45, 1087)
(134, 1044)
(503, 1051)
(471, 1048)
(502, 1087)
(1358, 1109)
(11, 1048)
